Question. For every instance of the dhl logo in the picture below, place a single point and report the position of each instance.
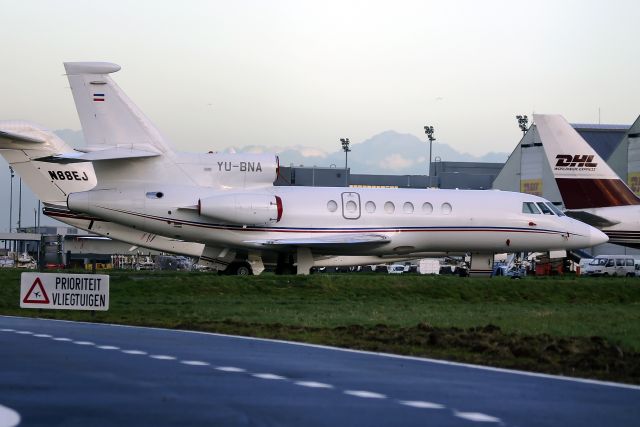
(575, 160)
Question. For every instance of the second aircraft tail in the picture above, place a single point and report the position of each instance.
(584, 179)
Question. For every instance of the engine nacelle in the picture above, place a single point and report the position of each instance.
(241, 208)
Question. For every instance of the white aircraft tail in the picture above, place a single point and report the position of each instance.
(108, 117)
(584, 179)
(23, 143)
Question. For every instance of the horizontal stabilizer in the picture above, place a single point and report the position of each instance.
(328, 241)
(117, 153)
(9, 140)
(591, 219)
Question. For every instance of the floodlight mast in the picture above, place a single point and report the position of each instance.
(429, 131)
(522, 123)
(345, 147)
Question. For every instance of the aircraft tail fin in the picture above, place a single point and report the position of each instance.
(584, 179)
(23, 143)
(108, 116)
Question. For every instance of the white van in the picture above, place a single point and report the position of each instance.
(611, 265)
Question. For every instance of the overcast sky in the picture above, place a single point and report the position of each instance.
(214, 74)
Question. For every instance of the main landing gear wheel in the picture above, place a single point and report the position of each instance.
(239, 269)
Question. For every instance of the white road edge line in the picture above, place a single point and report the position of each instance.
(84, 343)
(42, 335)
(62, 339)
(8, 417)
(349, 350)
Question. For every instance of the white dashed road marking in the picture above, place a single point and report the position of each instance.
(313, 384)
(162, 357)
(269, 376)
(477, 417)
(421, 404)
(194, 362)
(229, 369)
(8, 417)
(134, 352)
(365, 394)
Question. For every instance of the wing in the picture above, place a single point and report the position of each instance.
(327, 242)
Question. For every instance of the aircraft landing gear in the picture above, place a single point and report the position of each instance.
(238, 268)
(285, 264)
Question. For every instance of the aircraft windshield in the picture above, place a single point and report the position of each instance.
(599, 261)
(530, 208)
(545, 209)
(555, 209)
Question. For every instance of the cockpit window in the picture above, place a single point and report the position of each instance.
(530, 208)
(545, 209)
(555, 209)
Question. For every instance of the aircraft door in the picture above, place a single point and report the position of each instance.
(350, 205)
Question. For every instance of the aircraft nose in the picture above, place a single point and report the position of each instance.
(597, 237)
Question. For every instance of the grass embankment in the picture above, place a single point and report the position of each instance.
(573, 326)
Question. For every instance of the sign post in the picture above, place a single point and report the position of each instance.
(63, 291)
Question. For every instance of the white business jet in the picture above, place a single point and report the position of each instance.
(130, 185)
(591, 191)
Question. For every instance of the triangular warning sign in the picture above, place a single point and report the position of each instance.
(37, 294)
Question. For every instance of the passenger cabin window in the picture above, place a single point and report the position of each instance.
(389, 207)
(332, 205)
(446, 208)
(545, 209)
(370, 207)
(407, 207)
(555, 209)
(427, 208)
(530, 208)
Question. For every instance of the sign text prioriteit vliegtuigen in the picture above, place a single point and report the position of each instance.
(64, 291)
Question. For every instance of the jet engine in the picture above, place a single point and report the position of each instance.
(242, 208)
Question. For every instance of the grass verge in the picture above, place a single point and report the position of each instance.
(570, 326)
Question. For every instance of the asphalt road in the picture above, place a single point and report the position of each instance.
(79, 374)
